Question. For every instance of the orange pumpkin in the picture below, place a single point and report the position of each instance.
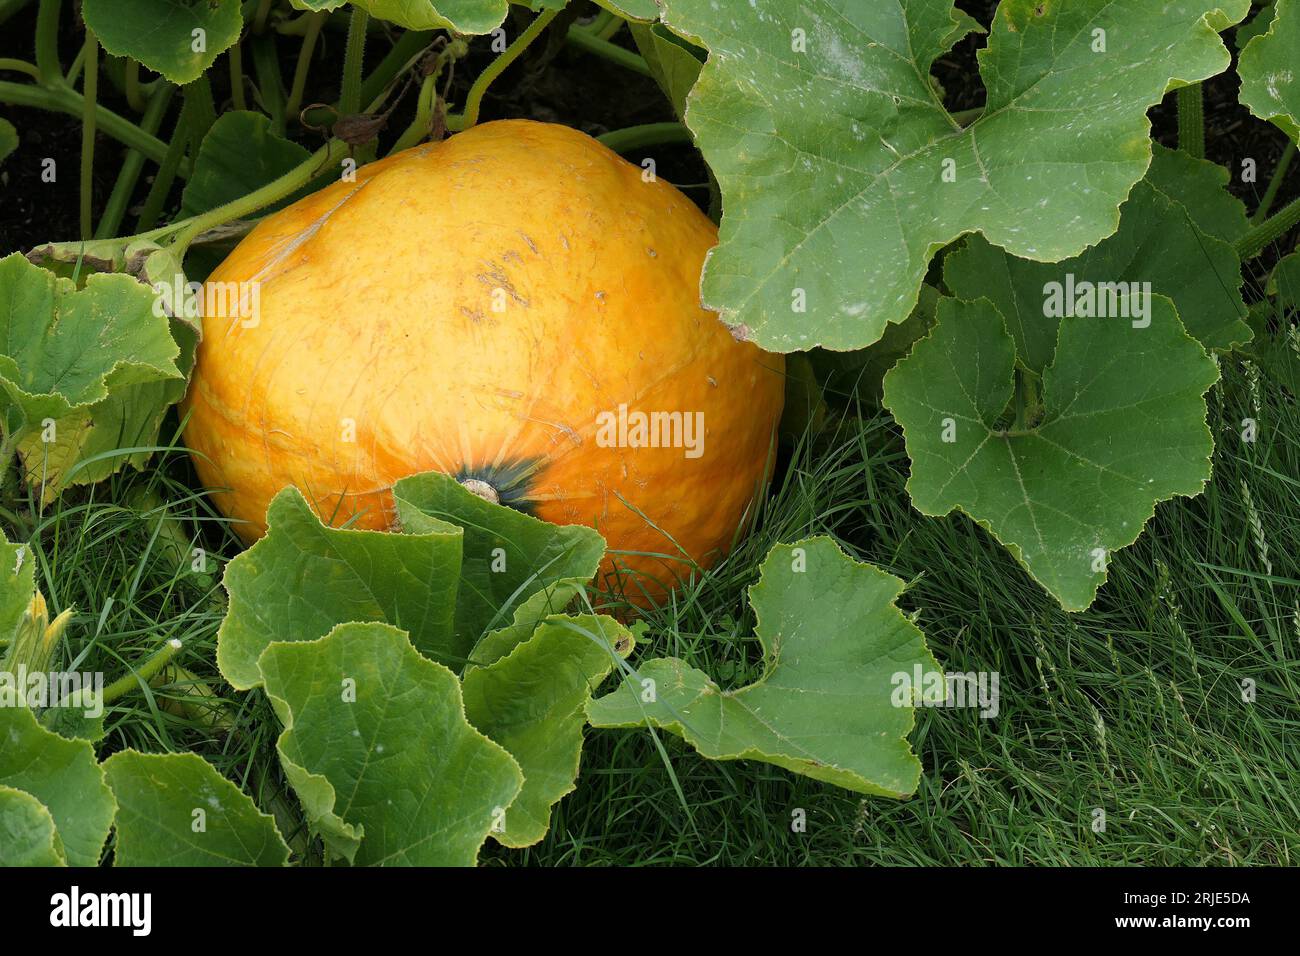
(507, 306)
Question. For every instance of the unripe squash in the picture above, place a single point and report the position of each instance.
(498, 307)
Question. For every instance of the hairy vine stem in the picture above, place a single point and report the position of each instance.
(1191, 120)
(474, 100)
(61, 98)
(166, 174)
(89, 94)
(20, 66)
(315, 22)
(353, 55)
(649, 134)
(188, 229)
(235, 60)
(1274, 184)
(590, 42)
(133, 165)
(146, 672)
(47, 42)
(1262, 236)
(135, 98)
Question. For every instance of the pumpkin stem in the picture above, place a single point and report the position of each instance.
(481, 488)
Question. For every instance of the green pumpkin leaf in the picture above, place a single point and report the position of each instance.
(178, 40)
(1255, 26)
(377, 747)
(827, 705)
(508, 556)
(553, 599)
(1122, 427)
(240, 153)
(1157, 242)
(62, 775)
(533, 704)
(472, 17)
(632, 9)
(303, 578)
(674, 63)
(17, 585)
(1270, 86)
(161, 800)
(842, 173)
(98, 363)
(1201, 188)
(27, 833)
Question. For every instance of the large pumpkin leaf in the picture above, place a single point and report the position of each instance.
(85, 360)
(377, 747)
(834, 645)
(28, 836)
(176, 810)
(1270, 86)
(1201, 188)
(508, 556)
(1157, 242)
(303, 578)
(842, 173)
(1122, 427)
(62, 775)
(177, 39)
(533, 704)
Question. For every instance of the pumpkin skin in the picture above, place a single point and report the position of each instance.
(473, 307)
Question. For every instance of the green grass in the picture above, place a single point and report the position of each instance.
(1134, 707)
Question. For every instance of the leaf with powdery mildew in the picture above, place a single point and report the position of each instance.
(159, 797)
(532, 703)
(835, 699)
(1158, 242)
(1122, 428)
(842, 173)
(378, 749)
(1270, 70)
